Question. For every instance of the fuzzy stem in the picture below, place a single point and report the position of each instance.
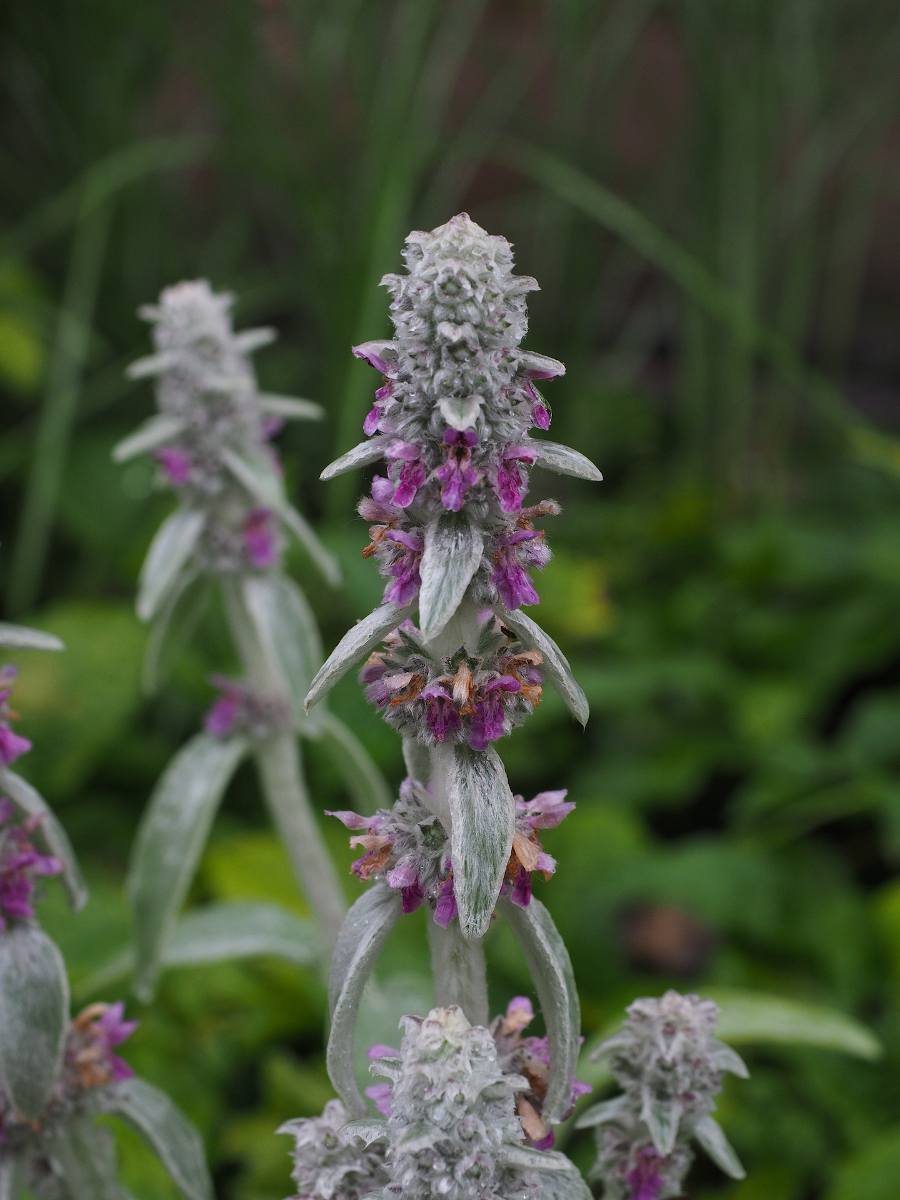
(279, 766)
(458, 964)
(460, 973)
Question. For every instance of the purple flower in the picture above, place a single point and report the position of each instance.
(222, 719)
(176, 465)
(260, 538)
(12, 745)
(376, 840)
(411, 897)
(407, 471)
(380, 1093)
(540, 415)
(511, 482)
(545, 811)
(372, 676)
(445, 909)
(441, 716)
(374, 354)
(540, 412)
(90, 1051)
(529, 1057)
(20, 865)
(509, 576)
(489, 718)
(403, 565)
(457, 474)
(645, 1181)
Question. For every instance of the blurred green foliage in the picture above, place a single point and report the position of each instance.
(703, 191)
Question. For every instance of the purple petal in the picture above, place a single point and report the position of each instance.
(373, 354)
(350, 819)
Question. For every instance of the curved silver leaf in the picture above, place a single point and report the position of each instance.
(51, 831)
(564, 460)
(363, 779)
(152, 364)
(357, 643)
(602, 1113)
(711, 1136)
(165, 1129)
(173, 627)
(559, 1185)
(218, 933)
(551, 969)
(34, 1016)
(254, 339)
(368, 1130)
(454, 547)
(291, 408)
(482, 824)
(662, 1117)
(170, 551)
(362, 935)
(555, 664)
(541, 366)
(528, 1159)
(154, 433)
(360, 456)
(86, 1155)
(307, 537)
(286, 630)
(20, 637)
(170, 841)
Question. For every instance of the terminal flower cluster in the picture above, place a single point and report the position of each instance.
(457, 401)
(670, 1066)
(474, 698)
(408, 848)
(448, 1086)
(525, 1057)
(21, 865)
(207, 391)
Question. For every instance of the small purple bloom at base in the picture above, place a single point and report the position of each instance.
(489, 719)
(540, 416)
(176, 465)
(645, 1181)
(445, 909)
(411, 897)
(521, 892)
(510, 578)
(20, 865)
(512, 481)
(260, 538)
(456, 473)
(12, 745)
(222, 718)
(380, 1095)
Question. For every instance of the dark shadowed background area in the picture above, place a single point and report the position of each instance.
(707, 193)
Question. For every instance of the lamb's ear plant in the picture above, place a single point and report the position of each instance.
(58, 1075)
(454, 664)
(212, 440)
(452, 423)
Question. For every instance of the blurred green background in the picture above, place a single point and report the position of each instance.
(707, 193)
